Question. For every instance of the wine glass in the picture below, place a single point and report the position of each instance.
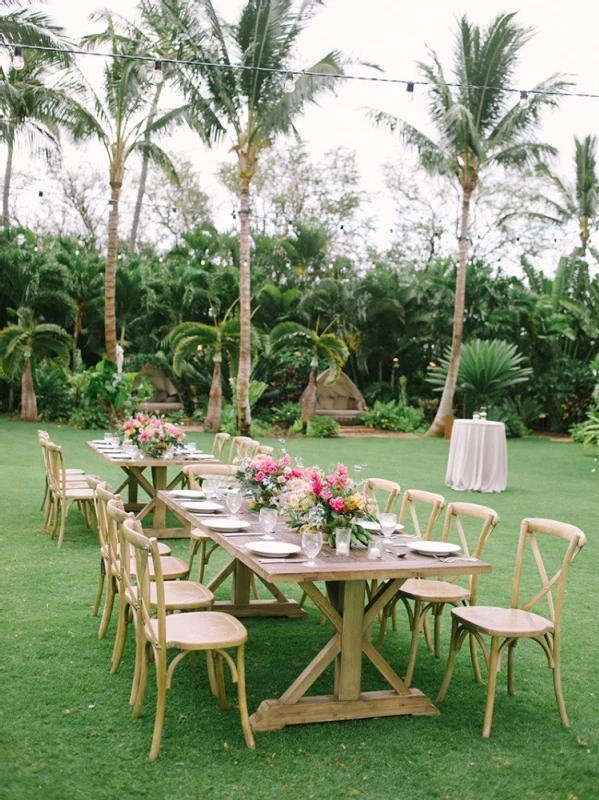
(268, 520)
(387, 523)
(210, 487)
(312, 545)
(234, 501)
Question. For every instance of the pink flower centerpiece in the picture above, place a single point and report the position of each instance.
(152, 434)
(326, 502)
(266, 478)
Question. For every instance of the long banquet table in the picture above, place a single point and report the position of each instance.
(346, 607)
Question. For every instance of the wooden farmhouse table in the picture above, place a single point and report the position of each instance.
(345, 605)
(134, 470)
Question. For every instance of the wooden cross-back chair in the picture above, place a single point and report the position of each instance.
(433, 595)
(209, 631)
(219, 443)
(507, 626)
(74, 477)
(242, 447)
(264, 450)
(180, 594)
(64, 493)
(413, 501)
(373, 485)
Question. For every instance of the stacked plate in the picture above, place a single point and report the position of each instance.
(273, 549)
(425, 548)
(189, 494)
(227, 524)
(374, 527)
(200, 456)
(202, 506)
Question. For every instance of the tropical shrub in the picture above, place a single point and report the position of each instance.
(487, 369)
(103, 398)
(54, 392)
(319, 427)
(283, 416)
(587, 432)
(393, 416)
(514, 424)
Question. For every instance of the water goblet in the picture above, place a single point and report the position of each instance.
(268, 521)
(387, 523)
(312, 545)
(210, 487)
(114, 439)
(234, 501)
(191, 447)
(108, 437)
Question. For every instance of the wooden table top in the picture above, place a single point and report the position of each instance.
(176, 461)
(329, 566)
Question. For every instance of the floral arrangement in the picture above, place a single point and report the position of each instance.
(326, 502)
(266, 478)
(152, 434)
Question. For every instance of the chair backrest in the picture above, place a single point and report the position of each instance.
(44, 438)
(107, 532)
(264, 450)
(237, 448)
(135, 543)
(412, 501)
(454, 520)
(93, 481)
(56, 472)
(196, 473)
(218, 446)
(574, 539)
(393, 489)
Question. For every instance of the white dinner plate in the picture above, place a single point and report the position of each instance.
(118, 455)
(189, 494)
(374, 527)
(273, 549)
(203, 506)
(434, 548)
(226, 524)
(201, 456)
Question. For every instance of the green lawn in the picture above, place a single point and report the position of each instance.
(66, 729)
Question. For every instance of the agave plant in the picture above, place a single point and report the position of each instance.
(487, 369)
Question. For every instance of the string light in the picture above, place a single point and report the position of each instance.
(157, 74)
(524, 100)
(18, 62)
(410, 87)
(289, 85)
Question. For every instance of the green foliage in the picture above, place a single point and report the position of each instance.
(54, 392)
(514, 424)
(393, 416)
(319, 427)
(285, 415)
(587, 432)
(228, 421)
(103, 397)
(487, 369)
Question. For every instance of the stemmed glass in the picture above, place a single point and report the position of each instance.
(387, 523)
(268, 520)
(210, 487)
(234, 501)
(312, 545)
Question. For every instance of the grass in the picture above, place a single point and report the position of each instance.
(66, 729)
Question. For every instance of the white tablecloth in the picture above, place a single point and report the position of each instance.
(477, 456)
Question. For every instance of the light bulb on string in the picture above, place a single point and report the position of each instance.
(524, 100)
(18, 62)
(410, 90)
(289, 84)
(157, 74)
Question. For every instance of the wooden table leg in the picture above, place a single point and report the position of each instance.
(350, 661)
(159, 481)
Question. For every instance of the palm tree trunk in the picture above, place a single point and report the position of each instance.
(110, 274)
(584, 234)
(244, 416)
(28, 398)
(212, 421)
(141, 189)
(309, 404)
(446, 404)
(7, 180)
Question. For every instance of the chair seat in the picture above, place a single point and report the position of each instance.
(79, 493)
(183, 595)
(200, 630)
(172, 568)
(71, 472)
(509, 622)
(196, 533)
(434, 591)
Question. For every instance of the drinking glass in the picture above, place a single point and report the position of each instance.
(483, 413)
(234, 501)
(476, 415)
(114, 439)
(388, 523)
(210, 487)
(108, 438)
(312, 545)
(268, 520)
(374, 550)
(342, 540)
(170, 451)
(191, 447)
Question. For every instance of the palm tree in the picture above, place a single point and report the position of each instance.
(120, 123)
(479, 128)
(26, 341)
(30, 27)
(325, 347)
(32, 110)
(189, 338)
(253, 107)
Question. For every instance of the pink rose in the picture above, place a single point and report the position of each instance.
(326, 494)
(337, 504)
(260, 476)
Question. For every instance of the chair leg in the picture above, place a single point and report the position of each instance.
(474, 658)
(121, 635)
(557, 685)
(242, 700)
(160, 703)
(211, 672)
(511, 653)
(48, 512)
(139, 659)
(202, 562)
(493, 664)
(63, 520)
(220, 683)
(43, 505)
(55, 516)
(142, 679)
(414, 643)
(193, 549)
(100, 588)
(450, 660)
(437, 611)
(427, 634)
(108, 604)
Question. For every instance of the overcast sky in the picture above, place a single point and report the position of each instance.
(395, 35)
